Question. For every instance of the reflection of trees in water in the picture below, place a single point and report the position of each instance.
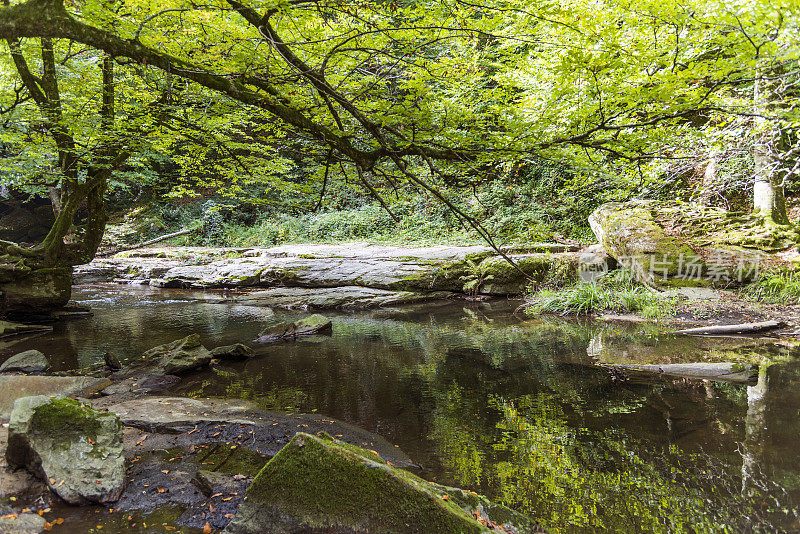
(517, 411)
(562, 456)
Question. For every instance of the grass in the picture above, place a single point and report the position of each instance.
(613, 292)
(778, 286)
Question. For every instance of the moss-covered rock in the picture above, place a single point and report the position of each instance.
(180, 356)
(319, 484)
(75, 449)
(36, 290)
(686, 245)
(237, 351)
(313, 324)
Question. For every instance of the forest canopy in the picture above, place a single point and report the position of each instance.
(443, 98)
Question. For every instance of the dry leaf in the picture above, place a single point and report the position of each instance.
(207, 528)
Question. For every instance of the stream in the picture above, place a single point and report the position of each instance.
(482, 397)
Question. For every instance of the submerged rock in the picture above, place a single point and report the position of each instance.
(329, 298)
(75, 449)
(314, 324)
(237, 351)
(30, 361)
(21, 523)
(8, 328)
(319, 484)
(180, 356)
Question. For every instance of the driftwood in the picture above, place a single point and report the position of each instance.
(732, 329)
(148, 243)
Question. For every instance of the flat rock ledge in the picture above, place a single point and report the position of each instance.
(409, 272)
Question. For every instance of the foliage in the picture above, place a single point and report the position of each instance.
(776, 285)
(441, 99)
(477, 275)
(615, 291)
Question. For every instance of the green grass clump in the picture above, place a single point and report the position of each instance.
(614, 292)
(780, 286)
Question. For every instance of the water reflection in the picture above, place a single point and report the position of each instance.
(515, 408)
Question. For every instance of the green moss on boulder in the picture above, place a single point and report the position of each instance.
(319, 484)
(75, 449)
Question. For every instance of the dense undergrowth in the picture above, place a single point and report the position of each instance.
(517, 208)
(616, 291)
(776, 286)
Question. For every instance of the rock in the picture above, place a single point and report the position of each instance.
(180, 356)
(75, 449)
(36, 291)
(408, 271)
(594, 262)
(210, 482)
(237, 351)
(687, 245)
(630, 233)
(145, 383)
(13, 387)
(17, 523)
(17, 483)
(329, 298)
(112, 362)
(8, 329)
(179, 415)
(319, 483)
(315, 324)
(30, 361)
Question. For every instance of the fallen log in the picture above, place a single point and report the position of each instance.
(149, 242)
(723, 371)
(732, 329)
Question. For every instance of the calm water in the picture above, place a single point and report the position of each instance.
(512, 407)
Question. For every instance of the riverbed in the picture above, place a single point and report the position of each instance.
(524, 410)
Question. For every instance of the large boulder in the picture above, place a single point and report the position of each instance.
(313, 324)
(682, 245)
(180, 356)
(319, 484)
(39, 290)
(237, 351)
(75, 449)
(30, 361)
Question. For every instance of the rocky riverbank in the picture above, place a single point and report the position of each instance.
(357, 275)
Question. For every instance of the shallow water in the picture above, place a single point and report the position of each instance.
(516, 408)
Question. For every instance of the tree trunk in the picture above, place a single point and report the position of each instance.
(768, 194)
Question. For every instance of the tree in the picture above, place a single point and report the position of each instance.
(449, 93)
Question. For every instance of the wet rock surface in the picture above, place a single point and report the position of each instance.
(407, 270)
(20, 523)
(328, 298)
(30, 361)
(313, 324)
(9, 329)
(75, 449)
(180, 356)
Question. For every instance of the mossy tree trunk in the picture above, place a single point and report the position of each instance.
(78, 194)
(770, 150)
(83, 180)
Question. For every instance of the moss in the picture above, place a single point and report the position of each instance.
(324, 483)
(63, 418)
